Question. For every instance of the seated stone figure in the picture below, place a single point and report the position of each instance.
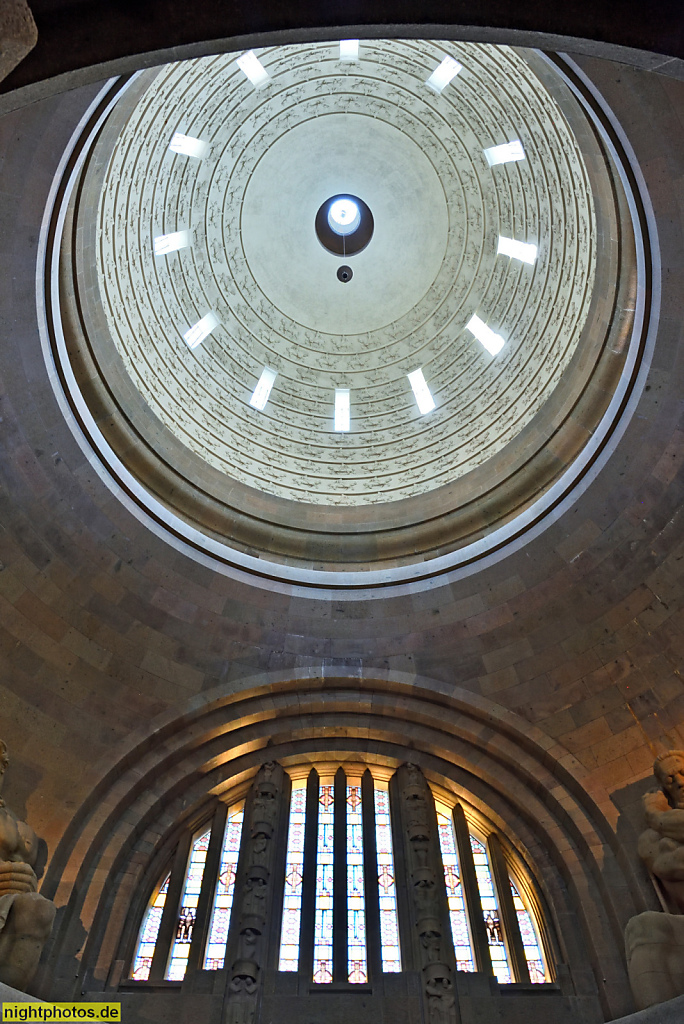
(655, 941)
(25, 916)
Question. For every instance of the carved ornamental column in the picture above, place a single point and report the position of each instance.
(427, 903)
(254, 894)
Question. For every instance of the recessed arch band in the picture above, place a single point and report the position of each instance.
(170, 778)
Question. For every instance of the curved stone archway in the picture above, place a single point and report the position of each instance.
(506, 769)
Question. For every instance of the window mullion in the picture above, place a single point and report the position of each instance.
(170, 912)
(370, 878)
(211, 866)
(306, 928)
(340, 964)
(471, 891)
(509, 918)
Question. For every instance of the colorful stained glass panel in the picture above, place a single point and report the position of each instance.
(294, 868)
(180, 950)
(225, 890)
(387, 888)
(323, 921)
(458, 915)
(490, 909)
(531, 944)
(356, 900)
(149, 930)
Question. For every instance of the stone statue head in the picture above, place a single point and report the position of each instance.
(668, 769)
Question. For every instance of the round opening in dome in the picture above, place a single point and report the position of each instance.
(344, 225)
(344, 216)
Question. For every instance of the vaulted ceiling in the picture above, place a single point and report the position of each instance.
(108, 633)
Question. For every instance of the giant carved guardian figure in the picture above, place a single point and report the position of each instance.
(655, 941)
(25, 916)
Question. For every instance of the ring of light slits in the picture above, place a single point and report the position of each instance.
(290, 449)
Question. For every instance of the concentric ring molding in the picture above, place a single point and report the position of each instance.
(374, 129)
(285, 542)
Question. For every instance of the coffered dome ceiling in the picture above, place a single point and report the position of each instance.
(371, 127)
(211, 325)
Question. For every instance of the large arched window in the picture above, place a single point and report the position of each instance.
(343, 874)
(182, 913)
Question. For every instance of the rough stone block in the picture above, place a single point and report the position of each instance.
(654, 943)
(18, 34)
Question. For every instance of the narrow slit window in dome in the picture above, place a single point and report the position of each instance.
(485, 335)
(342, 410)
(165, 244)
(441, 76)
(349, 50)
(421, 391)
(186, 145)
(255, 71)
(262, 391)
(504, 154)
(195, 335)
(523, 251)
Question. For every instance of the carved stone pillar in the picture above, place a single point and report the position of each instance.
(428, 909)
(254, 898)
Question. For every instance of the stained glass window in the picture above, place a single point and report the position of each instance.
(296, 929)
(458, 914)
(356, 901)
(387, 886)
(323, 922)
(490, 909)
(180, 950)
(531, 944)
(149, 930)
(294, 867)
(224, 891)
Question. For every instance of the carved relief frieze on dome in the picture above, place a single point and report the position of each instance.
(279, 482)
(433, 262)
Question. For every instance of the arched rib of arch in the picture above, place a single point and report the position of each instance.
(528, 786)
